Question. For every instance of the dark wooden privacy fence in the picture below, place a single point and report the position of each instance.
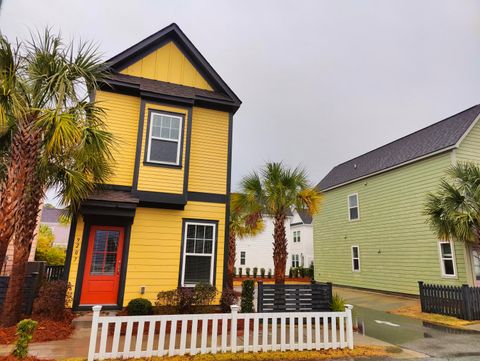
(462, 302)
(54, 273)
(294, 298)
(30, 288)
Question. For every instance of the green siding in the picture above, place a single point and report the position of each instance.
(469, 149)
(397, 247)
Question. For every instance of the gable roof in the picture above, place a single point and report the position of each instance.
(51, 215)
(160, 38)
(441, 136)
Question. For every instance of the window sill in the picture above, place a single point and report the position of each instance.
(162, 165)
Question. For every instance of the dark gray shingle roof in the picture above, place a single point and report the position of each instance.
(51, 215)
(305, 217)
(423, 142)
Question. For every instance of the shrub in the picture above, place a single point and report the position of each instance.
(240, 271)
(183, 299)
(255, 272)
(246, 304)
(338, 303)
(204, 294)
(290, 272)
(25, 329)
(52, 300)
(301, 272)
(234, 271)
(269, 273)
(139, 306)
(228, 298)
(311, 271)
(45, 251)
(262, 272)
(247, 271)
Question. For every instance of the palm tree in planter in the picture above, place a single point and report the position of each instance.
(454, 210)
(274, 191)
(51, 135)
(242, 223)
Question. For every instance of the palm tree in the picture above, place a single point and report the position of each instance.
(454, 210)
(52, 135)
(242, 223)
(274, 191)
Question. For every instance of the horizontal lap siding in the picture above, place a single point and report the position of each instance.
(155, 246)
(209, 151)
(77, 245)
(122, 113)
(154, 178)
(397, 247)
(469, 149)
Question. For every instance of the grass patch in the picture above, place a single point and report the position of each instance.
(416, 312)
(358, 351)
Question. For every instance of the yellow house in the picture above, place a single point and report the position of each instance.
(161, 222)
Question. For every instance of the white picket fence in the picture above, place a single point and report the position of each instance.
(146, 336)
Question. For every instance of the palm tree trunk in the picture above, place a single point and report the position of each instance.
(279, 248)
(24, 235)
(232, 249)
(14, 186)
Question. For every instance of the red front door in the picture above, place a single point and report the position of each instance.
(101, 276)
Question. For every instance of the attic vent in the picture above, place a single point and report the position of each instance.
(355, 166)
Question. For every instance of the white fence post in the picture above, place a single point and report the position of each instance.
(233, 339)
(348, 310)
(93, 333)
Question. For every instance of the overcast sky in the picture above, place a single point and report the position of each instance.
(320, 81)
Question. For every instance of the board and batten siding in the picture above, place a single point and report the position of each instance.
(397, 247)
(121, 119)
(155, 247)
(208, 151)
(168, 64)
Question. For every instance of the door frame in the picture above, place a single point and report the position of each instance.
(96, 220)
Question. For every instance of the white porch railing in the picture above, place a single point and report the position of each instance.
(146, 336)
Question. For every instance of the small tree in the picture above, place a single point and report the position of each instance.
(454, 210)
(46, 251)
(274, 191)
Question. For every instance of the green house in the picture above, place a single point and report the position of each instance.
(371, 232)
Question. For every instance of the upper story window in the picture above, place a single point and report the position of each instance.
(353, 208)
(164, 138)
(295, 260)
(296, 236)
(356, 258)
(243, 257)
(447, 259)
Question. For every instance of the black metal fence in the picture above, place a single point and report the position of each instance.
(294, 297)
(54, 273)
(458, 301)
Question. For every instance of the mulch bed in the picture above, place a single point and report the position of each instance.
(28, 358)
(47, 330)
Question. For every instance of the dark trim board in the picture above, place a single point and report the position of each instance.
(71, 241)
(227, 204)
(182, 246)
(207, 197)
(159, 197)
(138, 150)
(90, 221)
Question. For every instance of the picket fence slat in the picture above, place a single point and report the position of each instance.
(178, 334)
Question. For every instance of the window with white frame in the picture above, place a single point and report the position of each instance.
(198, 253)
(296, 236)
(164, 138)
(356, 258)
(353, 208)
(447, 259)
(243, 257)
(295, 260)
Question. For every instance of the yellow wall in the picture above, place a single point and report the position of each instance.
(121, 117)
(77, 245)
(157, 178)
(208, 151)
(168, 64)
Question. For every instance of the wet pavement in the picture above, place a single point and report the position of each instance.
(439, 342)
